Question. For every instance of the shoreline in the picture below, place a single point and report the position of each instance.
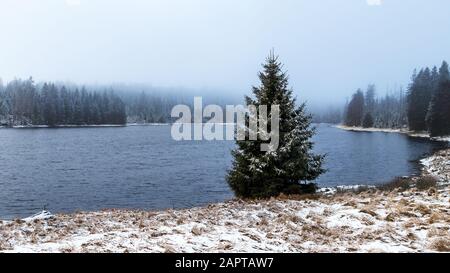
(81, 126)
(388, 130)
(369, 221)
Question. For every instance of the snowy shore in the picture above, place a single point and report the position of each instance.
(388, 130)
(371, 221)
(61, 126)
(83, 126)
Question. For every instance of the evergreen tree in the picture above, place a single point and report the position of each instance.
(66, 110)
(402, 109)
(444, 74)
(369, 107)
(367, 121)
(370, 99)
(49, 104)
(434, 79)
(419, 97)
(86, 106)
(438, 118)
(355, 110)
(3, 104)
(25, 103)
(256, 173)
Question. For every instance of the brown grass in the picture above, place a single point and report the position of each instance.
(436, 217)
(299, 197)
(369, 211)
(423, 209)
(426, 182)
(197, 231)
(399, 183)
(441, 244)
(391, 217)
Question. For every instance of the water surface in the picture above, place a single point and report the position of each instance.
(69, 169)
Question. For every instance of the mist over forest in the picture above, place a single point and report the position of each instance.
(27, 103)
(30, 103)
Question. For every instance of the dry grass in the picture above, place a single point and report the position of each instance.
(441, 244)
(399, 184)
(423, 209)
(279, 224)
(426, 182)
(299, 197)
(369, 211)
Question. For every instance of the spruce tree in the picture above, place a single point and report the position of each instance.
(259, 174)
(355, 111)
(368, 120)
(419, 97)
(434, 79)
(438, 118)
(444, 74)
(49, 93)
(370, 99)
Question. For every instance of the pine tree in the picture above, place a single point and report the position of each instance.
(434, 79)
(3, 104)
(77, 108)
(355, 110)
(444, 74)
(85, 106)
(368, 120)
(370, 99)
(256, 173)
(49, 93)
(438, 118)
(419, 97)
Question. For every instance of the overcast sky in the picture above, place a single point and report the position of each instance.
(329, 47)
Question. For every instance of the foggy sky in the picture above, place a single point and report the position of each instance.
(329, 47)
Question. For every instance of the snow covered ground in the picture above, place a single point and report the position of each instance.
(63, 126)
(387, 130)
(371, 221)
(438, 165)
(361, 129)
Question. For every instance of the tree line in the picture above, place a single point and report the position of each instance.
(429, 101)
(22, 102)
(424, 107)
(367, 110)
(148, 104)
(148, 107)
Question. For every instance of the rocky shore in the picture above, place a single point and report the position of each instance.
(411, 220)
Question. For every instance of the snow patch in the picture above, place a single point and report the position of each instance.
(43, 215)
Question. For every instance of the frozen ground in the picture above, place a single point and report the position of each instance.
(373, 221)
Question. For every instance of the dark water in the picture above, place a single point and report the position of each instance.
(142, 167)
(369, 157)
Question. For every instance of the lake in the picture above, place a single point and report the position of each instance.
(70, 169)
